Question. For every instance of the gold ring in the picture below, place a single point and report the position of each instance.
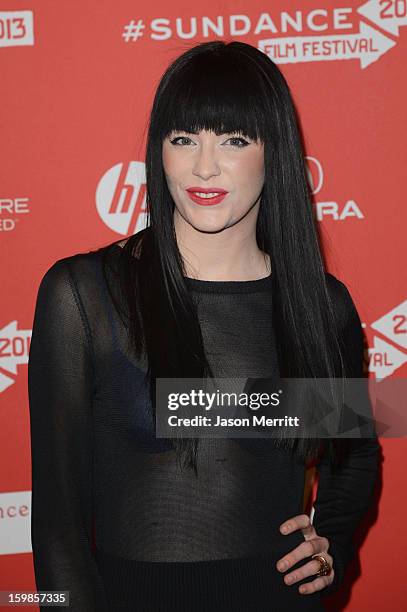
(325, 568)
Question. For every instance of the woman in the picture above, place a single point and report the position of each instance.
(227, 280)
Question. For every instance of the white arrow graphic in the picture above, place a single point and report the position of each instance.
(5, 382)
(387, 15)
(15, 346)
(394, 324)
(367, 45)
(384, 358)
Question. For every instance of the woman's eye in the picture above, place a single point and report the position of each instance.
(243, 142)
(237, 141)
(174, 140)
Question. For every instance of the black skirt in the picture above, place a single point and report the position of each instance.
(226, 585)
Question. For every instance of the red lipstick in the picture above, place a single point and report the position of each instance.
(209, 200)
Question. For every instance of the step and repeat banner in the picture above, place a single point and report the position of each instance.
(78, 79)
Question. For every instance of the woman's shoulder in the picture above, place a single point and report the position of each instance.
(342, 302)
(336, 287)
(80, 261)
(80, 269)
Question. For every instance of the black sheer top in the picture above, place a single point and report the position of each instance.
(114, 521)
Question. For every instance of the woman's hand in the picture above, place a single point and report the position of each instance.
(313, 545)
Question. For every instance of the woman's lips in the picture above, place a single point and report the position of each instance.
(208, 201)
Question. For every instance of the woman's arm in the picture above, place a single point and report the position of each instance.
(60, 384)
(344, 496)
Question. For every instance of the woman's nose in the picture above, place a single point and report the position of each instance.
(206, 163)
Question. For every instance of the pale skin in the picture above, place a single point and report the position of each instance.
(218, 242)
(313, 545)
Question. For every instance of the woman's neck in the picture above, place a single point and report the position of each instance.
(222, 256)
(219, 264)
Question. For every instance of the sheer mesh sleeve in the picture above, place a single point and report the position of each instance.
(60, 382)
(344, 495)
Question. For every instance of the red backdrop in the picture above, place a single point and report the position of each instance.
(77, 84)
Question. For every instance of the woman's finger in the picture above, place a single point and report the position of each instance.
(303, 550)
(318, 584)
(309, 569)
(300, 521)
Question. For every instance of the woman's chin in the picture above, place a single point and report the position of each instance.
(206, 221)
(208, 226)
(209, 221)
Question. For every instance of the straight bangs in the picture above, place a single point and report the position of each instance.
(217, 94)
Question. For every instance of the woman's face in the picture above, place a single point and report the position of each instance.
(228, 162)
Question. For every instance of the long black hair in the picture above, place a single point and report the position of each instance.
(227, 87)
